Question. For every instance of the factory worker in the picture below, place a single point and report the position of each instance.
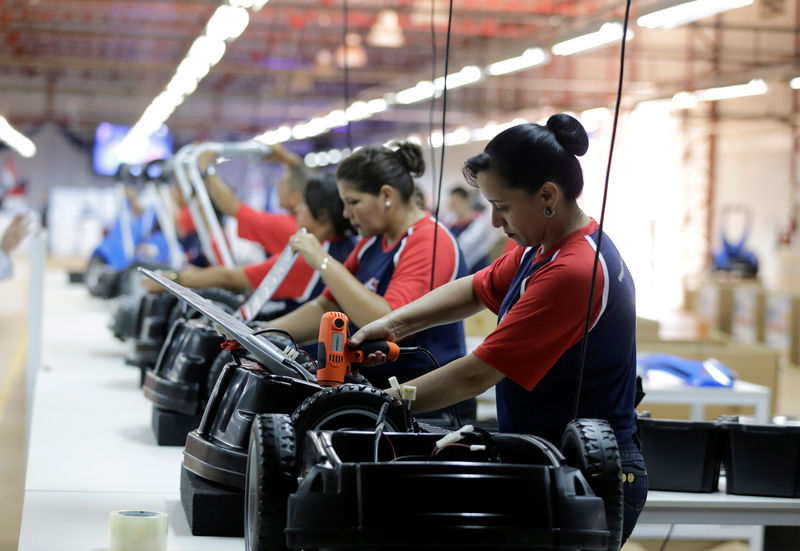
(321, 215)
(393, 263)
(531, 177)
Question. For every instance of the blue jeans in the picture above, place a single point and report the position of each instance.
(634, 485)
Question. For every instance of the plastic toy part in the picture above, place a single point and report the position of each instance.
(344, 499)
(590, 445)
(676, 370)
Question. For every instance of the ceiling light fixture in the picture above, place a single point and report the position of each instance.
(226, 24)
(531, 57)
(607, 34)
(795, 83)
(15, 139)
(755, 87)
(681, 12)
(386, 32)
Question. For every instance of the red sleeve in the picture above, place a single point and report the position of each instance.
(185, 221)
(294, 285)
(491, 284)
(271, 231)
(549, 319)
(351, 263)
(412, 275)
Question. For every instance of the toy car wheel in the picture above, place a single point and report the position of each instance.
(222, 359)
(590, 445)
(227, 300)
(270, 479)
(348, 406)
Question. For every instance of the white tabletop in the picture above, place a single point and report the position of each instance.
(78, 521)
(91, 446)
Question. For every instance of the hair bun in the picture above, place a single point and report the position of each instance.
(569, 133)
(410, 156)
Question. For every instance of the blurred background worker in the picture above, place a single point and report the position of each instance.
(393, 263)
(473, 229)
(321, 214)
(270, 230)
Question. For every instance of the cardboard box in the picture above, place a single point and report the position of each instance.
(782, 325)
(715, 301)
(753, 363)
(788, 393)
(749, 311)
(647, 329)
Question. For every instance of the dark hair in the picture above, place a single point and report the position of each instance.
(528, 155)
(322, 195)
(371, 168)
(460, 191)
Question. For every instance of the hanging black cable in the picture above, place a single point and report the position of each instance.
(444, 122)
(585, 341)
(346, 67)
(433, 101)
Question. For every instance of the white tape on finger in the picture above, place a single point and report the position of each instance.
(137, 531)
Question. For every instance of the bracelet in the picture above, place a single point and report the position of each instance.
(324, 265)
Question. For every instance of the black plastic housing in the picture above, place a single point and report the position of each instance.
(152, 327)
(522, 499)
(179, 380)
(681, 456)
(217, 450)
(762, 460)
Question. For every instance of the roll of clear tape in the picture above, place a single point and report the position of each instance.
(137, 531)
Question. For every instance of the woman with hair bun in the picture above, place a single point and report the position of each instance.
(531, 177)
(391, 266)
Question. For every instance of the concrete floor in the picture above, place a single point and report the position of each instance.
(13, 346)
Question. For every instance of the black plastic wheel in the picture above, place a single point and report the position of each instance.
(590, 445)
(225, 299)
(348, 406)
(271, 477)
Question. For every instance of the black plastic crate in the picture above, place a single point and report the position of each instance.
(762, 460)
(681, 456)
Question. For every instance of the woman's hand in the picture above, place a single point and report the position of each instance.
(309, 246)
(151, 286)
(380, 329)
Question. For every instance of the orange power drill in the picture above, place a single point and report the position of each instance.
(335, 359)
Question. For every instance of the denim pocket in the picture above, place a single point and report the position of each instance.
(634, 479)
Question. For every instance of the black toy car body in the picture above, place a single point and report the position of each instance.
(374, 489)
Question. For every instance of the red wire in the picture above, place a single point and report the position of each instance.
(394, 453)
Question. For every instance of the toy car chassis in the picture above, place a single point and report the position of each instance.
(370, 490)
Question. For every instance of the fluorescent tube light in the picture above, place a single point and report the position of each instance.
(422, 91)
(14, 139)
(607, 34)
(687, 12)
(227, 23)
(753, 88)
(467, 75)
(529, 58)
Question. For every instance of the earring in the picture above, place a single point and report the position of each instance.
(388, 203)
(548, 212)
